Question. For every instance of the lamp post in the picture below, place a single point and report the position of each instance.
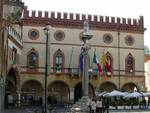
(119, 58)
(82, 105)
(47, 60)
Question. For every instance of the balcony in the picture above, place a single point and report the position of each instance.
(73, 71)
(14, 35)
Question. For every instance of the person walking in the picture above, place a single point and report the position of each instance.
(99, 106)
(107, 105)
(93, 106)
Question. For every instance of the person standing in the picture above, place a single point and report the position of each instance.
(93, 106)
(99, 106)
(107, 105)
(10, 100)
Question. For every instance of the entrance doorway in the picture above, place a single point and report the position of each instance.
(32, 93)
(11, 89)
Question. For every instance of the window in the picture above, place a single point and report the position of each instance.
(129, 63)
(14, 55)
(107, 38)
(58, 61)
(32, 59)
(59, 35)
(129, 40)
(33, 34)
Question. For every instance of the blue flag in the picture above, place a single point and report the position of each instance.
(81, 62)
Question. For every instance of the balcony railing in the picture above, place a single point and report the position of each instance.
(74, 71)
(13, 33)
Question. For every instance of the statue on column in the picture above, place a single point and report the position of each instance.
(86, 27)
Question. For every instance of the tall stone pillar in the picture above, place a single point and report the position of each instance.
(2, 95)
(1, 82)
(71, 95)
(19, 97)
(82, 106)
(43, 98)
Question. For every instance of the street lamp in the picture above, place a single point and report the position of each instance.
(47, 60)
(82, 105)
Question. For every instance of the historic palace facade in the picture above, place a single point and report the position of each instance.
(120, 39)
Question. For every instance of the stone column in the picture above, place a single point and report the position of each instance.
(71, 95)
(19, 97)
(86, 74)
(43, 98)
(82, 105)
(2, 95)
(0, 98)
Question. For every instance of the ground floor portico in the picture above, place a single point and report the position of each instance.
(28, 88)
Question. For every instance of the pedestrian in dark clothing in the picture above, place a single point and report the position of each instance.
(103, 105)
(107, 105)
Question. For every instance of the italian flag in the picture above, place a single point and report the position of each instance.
(96, 61)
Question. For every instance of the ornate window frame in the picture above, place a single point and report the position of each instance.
(60, 55)
(129, 40)
(35, 66)
(59, 35)
(129, 68)
(105, 39)
(36, 36)
(14, 55)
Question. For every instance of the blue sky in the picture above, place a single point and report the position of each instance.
(117, 8)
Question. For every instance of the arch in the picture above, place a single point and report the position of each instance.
(16, 71)
(32, 93)
(12, 84)
(107, 86)
(78, 91)
(32, 59)
(58, 93)
(129, 64)
(130, 87)
(58, 61)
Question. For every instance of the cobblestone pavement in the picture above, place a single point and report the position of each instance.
(66, 110)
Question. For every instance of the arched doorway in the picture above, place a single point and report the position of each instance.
(32, 93)
(107, 86)
(130, 87)
(58, 93)
(11, 88)
(78, 91)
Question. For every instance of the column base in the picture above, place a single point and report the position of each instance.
(82, 106)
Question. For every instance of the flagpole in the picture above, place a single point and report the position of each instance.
(71, 56)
